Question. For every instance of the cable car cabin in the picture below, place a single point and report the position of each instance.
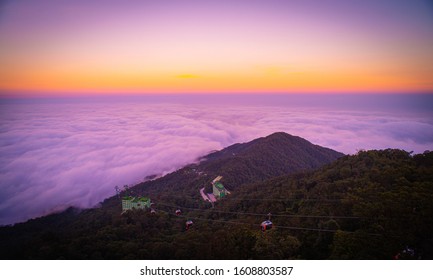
(266, 225)
(178, 212)
(188, 224)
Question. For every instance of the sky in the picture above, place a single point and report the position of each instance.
(60, 47)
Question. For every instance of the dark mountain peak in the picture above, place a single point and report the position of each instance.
(280, 136)
(275, 141)
(274, 155)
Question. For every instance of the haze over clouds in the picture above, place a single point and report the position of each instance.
(58, 155)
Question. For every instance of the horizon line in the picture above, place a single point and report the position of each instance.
(83, 94)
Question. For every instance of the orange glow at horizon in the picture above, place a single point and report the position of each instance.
(262, 80)
(207, 48)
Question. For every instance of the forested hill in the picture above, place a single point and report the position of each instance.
(266, 157)
(261, 159)
(373, 205)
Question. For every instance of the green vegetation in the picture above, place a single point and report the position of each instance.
(372, 205)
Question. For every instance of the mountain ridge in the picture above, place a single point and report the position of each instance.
(287, 153)
(369, 190)
(214, 164)
(239, 164)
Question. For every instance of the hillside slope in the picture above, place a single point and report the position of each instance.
(373, 205)
(239, 164)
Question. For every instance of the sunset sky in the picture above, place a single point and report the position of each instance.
(201, 46)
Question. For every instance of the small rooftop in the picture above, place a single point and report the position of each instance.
(219, 186)
(211, 197)
(136, 199)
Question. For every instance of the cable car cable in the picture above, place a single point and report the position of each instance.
(259, 214)
(282, 227)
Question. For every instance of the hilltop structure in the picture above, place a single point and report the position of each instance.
(132, 202)
(218, 190)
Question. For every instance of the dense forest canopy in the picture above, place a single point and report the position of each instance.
(323, 205)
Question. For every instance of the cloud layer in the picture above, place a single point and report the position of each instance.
(57, 155)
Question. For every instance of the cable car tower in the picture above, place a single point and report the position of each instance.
(117, 191)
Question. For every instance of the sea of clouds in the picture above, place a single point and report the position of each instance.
(55, 155)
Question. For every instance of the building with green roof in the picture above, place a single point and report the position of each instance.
(218, 190)
(132, 202)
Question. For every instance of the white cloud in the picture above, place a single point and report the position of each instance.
(57, 155)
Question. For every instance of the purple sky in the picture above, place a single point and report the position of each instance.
(216, 46)
(73, 152)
